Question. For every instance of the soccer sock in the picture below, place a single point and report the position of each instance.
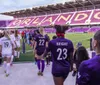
(7, 68)
(38, 64)
(43, 65)
(4, 65)
(18, 54)
(15, 53)
(12, 57)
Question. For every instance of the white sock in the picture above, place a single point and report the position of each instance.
(12, 57)
(8, 68)
(4, 65)
(15, 53)
(18, 54)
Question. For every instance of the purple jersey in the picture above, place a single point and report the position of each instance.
(41, 43)
(60, 50)
(89, 72)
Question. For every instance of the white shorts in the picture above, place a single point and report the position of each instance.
(6, 55)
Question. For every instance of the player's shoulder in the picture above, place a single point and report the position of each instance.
(89, 63)
(68, 40)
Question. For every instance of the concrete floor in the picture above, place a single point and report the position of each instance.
(26, 74)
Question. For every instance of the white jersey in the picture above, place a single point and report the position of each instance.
(17, 40)
(6, 45)
(12, 37)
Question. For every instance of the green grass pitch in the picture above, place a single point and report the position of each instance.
(76, 37)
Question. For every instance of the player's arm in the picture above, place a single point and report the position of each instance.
(35, 44)
(71, 55)
(48, 49)
(83, 77)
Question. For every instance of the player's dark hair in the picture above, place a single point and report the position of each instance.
(97, 38)
(81, 54)
(60, 29)
(37, 31)
(54, 37)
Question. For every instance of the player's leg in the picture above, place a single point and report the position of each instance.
(48, 58)
(15, 52)
(35, 56)
(38, 63)
(47, 61)
(11, 62)
(43, 66)
(58, 80)
(18, 52)
(8, 65)
(4, 62)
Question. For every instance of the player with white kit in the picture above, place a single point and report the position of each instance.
(6, 49)
(12, 39)
(17, 39)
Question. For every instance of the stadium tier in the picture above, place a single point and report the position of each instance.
(4, 23)
(73, 18)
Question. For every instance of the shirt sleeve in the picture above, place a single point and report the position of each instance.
(83, 76)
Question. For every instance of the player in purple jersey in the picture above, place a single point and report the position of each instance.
(36, 32)
(39, 49)
(61, 50)
(89, 70)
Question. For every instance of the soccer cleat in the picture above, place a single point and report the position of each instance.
(7, 75)
(39, 73)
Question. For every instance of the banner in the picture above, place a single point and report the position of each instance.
(26, 22)
(49, 20)
(16, 23)
(63, 18)
(80, 18)
(37, 21)
(95, 19)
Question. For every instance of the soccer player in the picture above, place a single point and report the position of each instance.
(49, 54)
(6, 49)
(36, 32)
(17, 40)
(89, 70)
(39, 49)
(62, 52)
(12, 39)
(81, 54)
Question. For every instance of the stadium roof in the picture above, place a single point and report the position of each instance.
(5, 17)
(67, 6)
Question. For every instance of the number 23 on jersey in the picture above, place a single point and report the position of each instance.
(62, 54)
